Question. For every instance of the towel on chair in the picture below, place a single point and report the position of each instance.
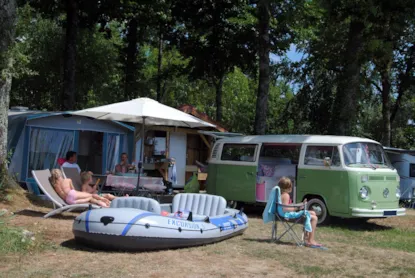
(296, 214)
(268, 214)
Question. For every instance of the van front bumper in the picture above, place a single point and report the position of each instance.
(356, 212)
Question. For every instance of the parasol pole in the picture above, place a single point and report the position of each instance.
(140, 162)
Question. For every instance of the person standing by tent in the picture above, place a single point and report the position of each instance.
(71, 161)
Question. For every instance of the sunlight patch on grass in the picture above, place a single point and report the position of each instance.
(391, 238)
(401, 271)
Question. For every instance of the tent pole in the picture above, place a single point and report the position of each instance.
(140, 162)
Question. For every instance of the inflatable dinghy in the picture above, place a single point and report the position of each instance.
(138, 223)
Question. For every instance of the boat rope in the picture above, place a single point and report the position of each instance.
(132, 222)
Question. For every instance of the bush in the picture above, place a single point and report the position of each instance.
(12, 240)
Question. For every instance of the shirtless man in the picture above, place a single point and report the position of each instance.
(66, 191)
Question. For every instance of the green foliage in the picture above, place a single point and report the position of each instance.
(208, 45)
(320, 74)
(216, 36)
(16, 240)
(39, 83)
(192, 186)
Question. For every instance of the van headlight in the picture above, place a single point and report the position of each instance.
(398, 193)
(364, 178)
(364, 192)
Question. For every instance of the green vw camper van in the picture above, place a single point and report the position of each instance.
(339, 176)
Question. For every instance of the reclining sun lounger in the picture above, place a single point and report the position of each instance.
(60, 206)
(73, 174)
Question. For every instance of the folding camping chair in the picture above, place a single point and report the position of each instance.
(288, 223)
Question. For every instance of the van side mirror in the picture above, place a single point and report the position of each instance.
(327, 161)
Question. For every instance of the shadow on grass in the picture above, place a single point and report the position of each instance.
(357, 224)
(33, 213)
(79, 246)
(352, 224)
(37, 201)
(270, 241)
(74, 245)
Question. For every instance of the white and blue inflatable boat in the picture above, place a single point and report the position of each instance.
(138, 224)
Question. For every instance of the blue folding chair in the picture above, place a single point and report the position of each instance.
(288, 223)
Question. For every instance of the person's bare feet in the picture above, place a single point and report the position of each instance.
(103, 204)
(313, 243)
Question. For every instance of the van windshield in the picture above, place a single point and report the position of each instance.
(365, 155)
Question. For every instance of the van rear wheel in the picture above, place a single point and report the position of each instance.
(319, 207)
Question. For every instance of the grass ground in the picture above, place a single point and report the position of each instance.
(382, 248)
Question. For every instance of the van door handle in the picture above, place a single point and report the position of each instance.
(302, 177)
(250, 173)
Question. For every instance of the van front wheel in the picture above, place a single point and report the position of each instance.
(319, 207)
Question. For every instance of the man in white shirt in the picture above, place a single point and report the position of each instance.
(71, 161)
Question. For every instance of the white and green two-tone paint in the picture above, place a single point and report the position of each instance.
(355, 180)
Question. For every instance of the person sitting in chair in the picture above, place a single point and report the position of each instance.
(71, 161)
(286, 187)
(89, 187)
(123, 166)
(66, 191)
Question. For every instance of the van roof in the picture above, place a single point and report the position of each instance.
(296, 139)
(399, 151)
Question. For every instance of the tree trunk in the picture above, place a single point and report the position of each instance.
(219, 87)
(7, 27)
(405, 81)
(130, 66)
(69, 59)
(159, 64)
(386, 112)
(5, 85)
(348, 94)
(264, 68)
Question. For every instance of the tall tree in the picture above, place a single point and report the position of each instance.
(69, 56)
(264, 66)
(78, 15)
(131, 58)
(392, 48)
(280, 24)
(216, 36)
(98, 69)
(7, 28)
(348, 93)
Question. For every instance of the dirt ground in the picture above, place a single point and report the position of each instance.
(249, 255)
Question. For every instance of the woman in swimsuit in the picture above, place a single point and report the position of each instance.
(66, 191)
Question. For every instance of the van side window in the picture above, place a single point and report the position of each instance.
(315, 155)
(280, 153)
(238, 152)
(412, 170)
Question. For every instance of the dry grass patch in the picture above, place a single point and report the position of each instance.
(380, 248)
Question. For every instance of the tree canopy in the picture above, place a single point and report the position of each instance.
(229, 59)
